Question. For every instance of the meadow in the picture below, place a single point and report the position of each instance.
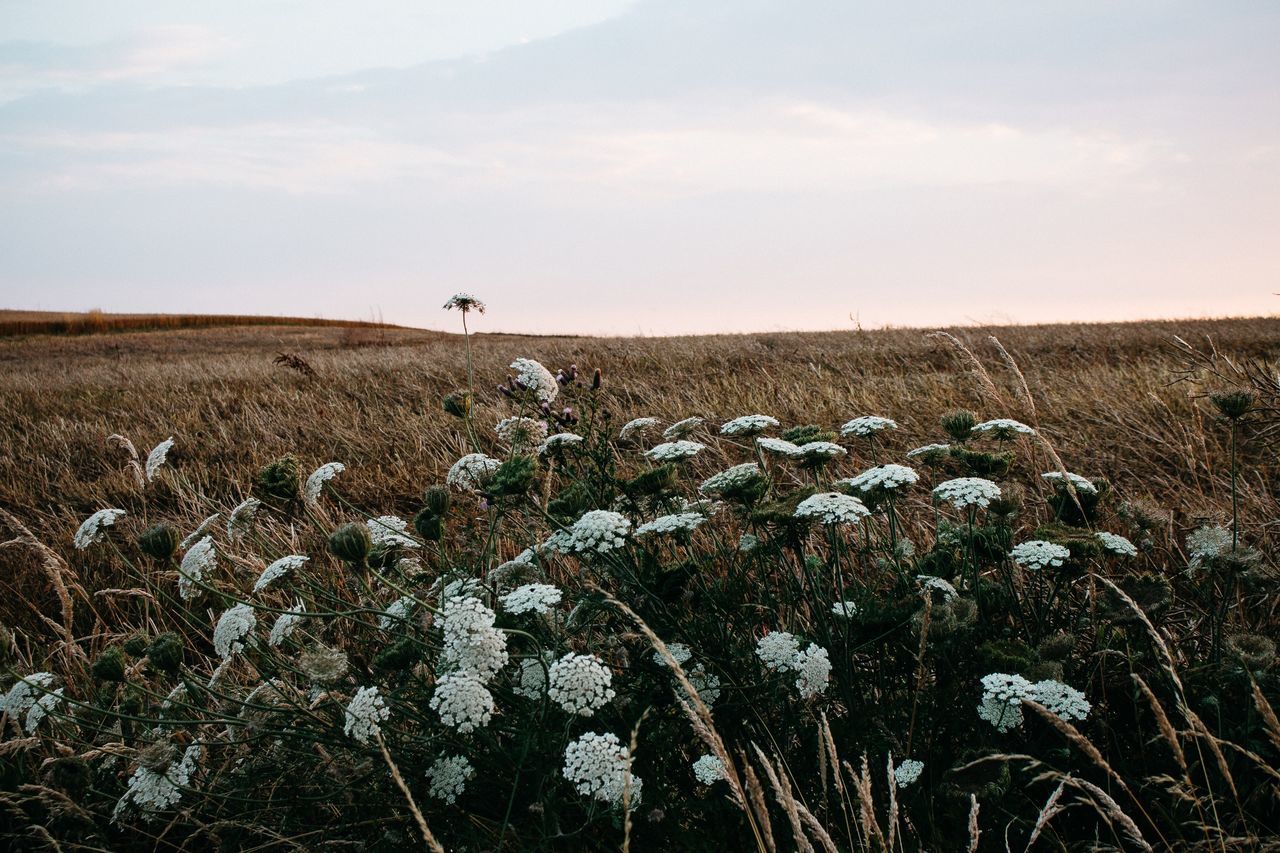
(717, 635)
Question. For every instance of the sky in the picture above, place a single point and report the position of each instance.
(643, 166)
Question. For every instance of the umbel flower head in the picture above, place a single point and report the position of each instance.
(813, 671)
(778, 446)
(521, 434)
(967, 491)
(154, 790)
(581, 684)
(883, 478)
(708, 769)
(279, 569)
(24, 693)
(677, 523)
(1080, 484)
(596, 765)
(1004, 429)
(1039, 554)
(471, 472)
(364, 715)
(867, 425)
(389, 531)
(673, 451)
(598, 532)
(1117, 544)
(907, 772)
(156, 458)
(635, 426)
(316, 481)
(95, 527)
(241, 518)
(832, 508)
(777, 650)
(233, 626)
(815, 454)
(748, 425)
(465, 303)
(198, 561)
(532, 598)
(462, 701)
(680, 429)
(449, 777)
(532, 379)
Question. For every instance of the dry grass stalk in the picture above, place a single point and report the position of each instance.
(782, 793)
(1081, 742)
(626, 784)
(893, 803)
(758, 804)
(135, 467)
(432, 843)
(974, 832)
(1167, 731)
(1048, 812)
(866, 803)
(1109, 810)
(1268, 715)
(58, 573)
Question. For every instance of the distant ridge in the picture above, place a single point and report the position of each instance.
(16, 323)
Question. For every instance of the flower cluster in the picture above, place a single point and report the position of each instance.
(598, 532)
(708, 769)
(680, 429)
(832, 508)
(597, 766)
(732, 479)
(748, 425)
(883, 478)
(559, 441)
(580, 684)
(462, 701)
(389, 531)
(867, 425)
(680, 522)
(1004, 428)
(241, 518)
(234, 625)
(195, 564)
(449, 777)
(471, 472)
(532, 598)
(1080, 484)
(1039, 554)
(1117, 544)
(95, 527)
(521, 434)
(315, 483)
(674, 451)
(364, 715)
(156, 458)
(535, 379)
(636, 425)
(907, 772)
(967, 491)
(278, 569)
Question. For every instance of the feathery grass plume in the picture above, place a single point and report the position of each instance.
(316, 481)
(135, 468)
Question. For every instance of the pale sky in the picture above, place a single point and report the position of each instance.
(643, 166)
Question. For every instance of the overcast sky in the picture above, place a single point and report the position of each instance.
(656, 166)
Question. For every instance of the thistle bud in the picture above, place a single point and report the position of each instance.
(596, 379)
(429, 525)
(159, 541)
(280, 478)
(109, 666)
(351, 543)
(437, 500)
(165, 652)
(457, 404)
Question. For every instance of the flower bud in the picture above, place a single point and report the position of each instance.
(109, 666)
(429, 525)
(1232, 405)
(159, 541)
(437, 500)
(280, 478)
(959, 424)
(457, 404)
(597, 379)
(165, 652)
(351, 543)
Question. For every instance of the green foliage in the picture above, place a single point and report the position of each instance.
(110, 665)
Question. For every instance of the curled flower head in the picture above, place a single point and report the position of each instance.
(1080, 484)
(316, 481)
(533, 379)
(1004, 429)
(832, 508)
(278, 569)
(241, 518)
(867, 425)
(156, 458)
(967, 491)
(95, 527)
(680, 429)
(1039, 554)
(748, 425)
(233, 626)
(198, 561)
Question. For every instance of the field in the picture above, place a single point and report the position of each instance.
(1124, 405)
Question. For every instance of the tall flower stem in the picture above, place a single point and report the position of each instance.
(1235, 492)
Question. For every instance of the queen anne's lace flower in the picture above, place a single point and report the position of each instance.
(233, 626)
(1061, 699)
(845, 609)
(201, 529)
(748, 542)
(708, 770)
(1002, 696)
(559, 542)
(929, 450)
(471, 643)
(598, 532)
(883, 477)
(17, 703)
(462, 701)
(1117, 544)
(776, 445)
(636, 425)
(778, 650)
(449, 777)
(1205, 543)
(733, 478)
(95, 527)
(471, 471)
(813, 671)
(967, 491)
(706, 684)
(674, 451)
(596, 764)
(533, 676)
(680, 429)
(559, 441)
(580, 684)
(1004, 428)
(681, 522)
(200, 560)
(41, 708)
(521, 434)
(532, 598)
(682, 653)
(1080, 484)
(832, 508)
(364, 715)
(242, 517)
(156, 458)
(907, 772)
(156, 790)
(867, 425)
(815, 452)
(315, 483)
(1038, 554)
(748, 425)
(397, 612)
(930, 582)
(278, 569)
(532, 377)
(285, 624)
(464, 302)
(390, 531)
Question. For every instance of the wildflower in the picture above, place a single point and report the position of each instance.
(533, 378)
(967, 491)
(776, 445)
(1002, 697)
(598, 531)
(748, 542)
(1256, 652)
(285, 624)
(471, 471)
(778, 650)
(242, 517)
(636, 425)
(156, 458)
(389, 531)
(930, 452)
(559, 441)
(532, 598)
(153, 790)
(201, 529)
(705, 684)
(1233, 405)
(733, 480)
(813, 671)
(674, 451)
(315, 483)
(449, 777)
(1080, 484)
(1004, 428)
(398, 611)
(708, 770)
(1062, 700)
(471, 643)
(521, 434)
(832, 508)
(907, 772)
(323, 665)
(462, 701)
(883, 478)
(867, 425)
(682, 654)
(41, 708)
(17, 703)
(533, 676)
(816, 453)
(596, 765)
(464, 302)
(278, 569)
(748, 425)
(680, 429)
(233, 626)
(930, 582)
(195, 563)
(845, 609)
(94, 527)
(1117, 544)
(1206, 543)
(365, 712)
(580, 684)
(1037, 554)
(681, 522)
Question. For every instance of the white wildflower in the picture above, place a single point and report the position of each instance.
(930, 582)
(967, 491)
(708, 770)
(364, 715)
(22, 695)
(232, 628)
(813, 671)
(95, 527)
(883, 477)
(681, 522)
(532, 598)
(776, 445)
(748, 425)
(242, 517)
(1080, 484)
(598, 531)
(315, 483)
(734, 478)
(580, 684)
(680, 429)
(778, 650)
(929, 450)
(471, 471)
(907, 772)
(1062, 700)
(748, 542)
(706, 684)
(464, 302)
(535, 379)
(390, 531)
(285, 624)
(1117, 544)
(197, 562)
(845, 609)
(816, 452)
(682, 653)
(462, 701)
(449, 777)
(153, 791)
(278, 569)
(201, 529)
(156, 458)
(867, 425)
(41, 708)
(674, 451)
(596, 764)
(1002, 696)
(559, 542)
(559, 441)
(533, 676)
(1206, 543)
(636, 425)
(521, 434)
(832, 508)
(471, 643)
(1004, 428)
(1038, 554)
(397, 612)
